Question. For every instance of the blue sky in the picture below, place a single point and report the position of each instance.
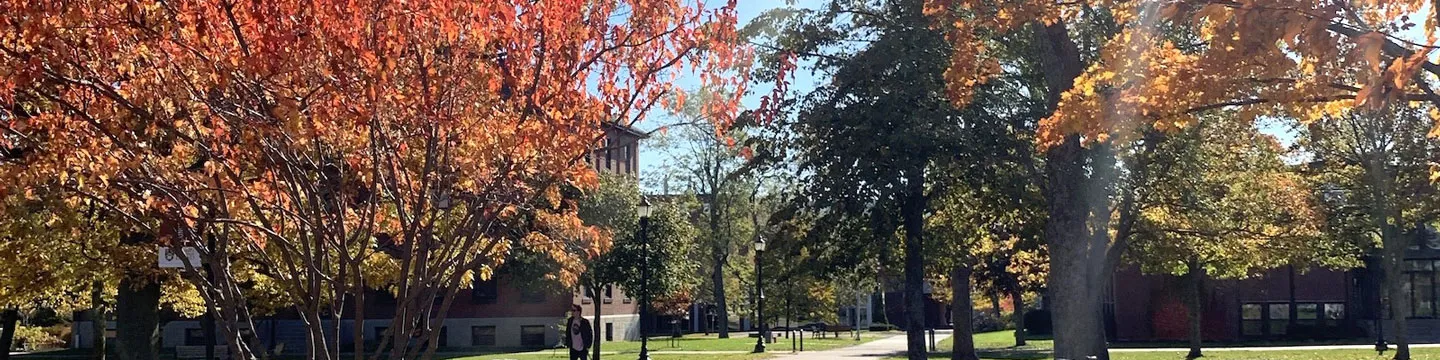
(746, 10)
(651, 158)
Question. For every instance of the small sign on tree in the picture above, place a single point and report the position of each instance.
(170, 259)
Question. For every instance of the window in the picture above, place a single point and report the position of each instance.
(1334, 314)
(1279, 318)
(1252, 320)
(586, 294)
(609, 331)
(609, 294)
(485, 291)
(532, 336)
(482, 336)
(1307, 314)
(1423, 294)
(609, 158)
(532, 296)
(625, 151)
(1420, 283)
(194, 337)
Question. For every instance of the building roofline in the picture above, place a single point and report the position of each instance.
(628, 129)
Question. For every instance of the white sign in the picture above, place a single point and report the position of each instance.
(169, 259)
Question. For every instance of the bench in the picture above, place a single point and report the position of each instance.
(835, 329)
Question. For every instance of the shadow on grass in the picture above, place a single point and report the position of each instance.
(1020, 353)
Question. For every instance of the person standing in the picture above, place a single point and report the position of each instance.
(578, 335)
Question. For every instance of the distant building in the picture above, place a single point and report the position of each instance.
(1283, 303)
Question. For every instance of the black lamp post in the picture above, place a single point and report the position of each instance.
(759, 295)
(644, 211)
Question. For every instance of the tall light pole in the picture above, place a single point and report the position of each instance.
(759, 294)
(644, 211)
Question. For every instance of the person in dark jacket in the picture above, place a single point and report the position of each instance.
(578, 335)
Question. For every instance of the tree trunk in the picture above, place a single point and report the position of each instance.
(913, 211)
(1018, 316)
(138, 302)
(722, 317)
(1077, 278)
(595, 345)
(1195, 306)
(717, 271)
(97, 319)
(995, 305)
(961, 310)
(1077, 275)
(1399, 300)
(1385, 217)
(9, 319)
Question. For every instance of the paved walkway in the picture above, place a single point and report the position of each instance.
(878, 349)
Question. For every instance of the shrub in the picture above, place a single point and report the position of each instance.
(883, 327)
(985, 321)
(35, 338)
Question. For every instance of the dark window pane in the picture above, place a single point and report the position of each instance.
(1279, 327)
(1279, 311)
(482, 335)
(1307, 311)
(1335, 311)
(1424, 294)
(532, 336)
(609, 331)
(194, 337)
(1252, 328)
(1250, 311)
(532, 296)
(485, 291)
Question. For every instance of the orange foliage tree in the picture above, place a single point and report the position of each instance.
(330, 147)
(1114, 70)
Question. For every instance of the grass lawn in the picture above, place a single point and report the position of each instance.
(613, 349)
(629, 349)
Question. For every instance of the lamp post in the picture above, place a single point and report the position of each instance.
(759, 295)
(644, 211)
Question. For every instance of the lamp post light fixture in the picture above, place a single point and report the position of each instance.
(759, 295)
(643, 209)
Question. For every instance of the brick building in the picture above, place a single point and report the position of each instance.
(1282, 303)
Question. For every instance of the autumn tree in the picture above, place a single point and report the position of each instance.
(1112, 68)
(1226, 206)
(337, 147)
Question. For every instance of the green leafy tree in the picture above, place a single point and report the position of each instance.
(672, 244)
(1224, 205)
(1375, 165)
(867, 137)
(718, 167)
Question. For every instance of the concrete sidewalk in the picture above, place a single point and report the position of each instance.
(878, 349)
